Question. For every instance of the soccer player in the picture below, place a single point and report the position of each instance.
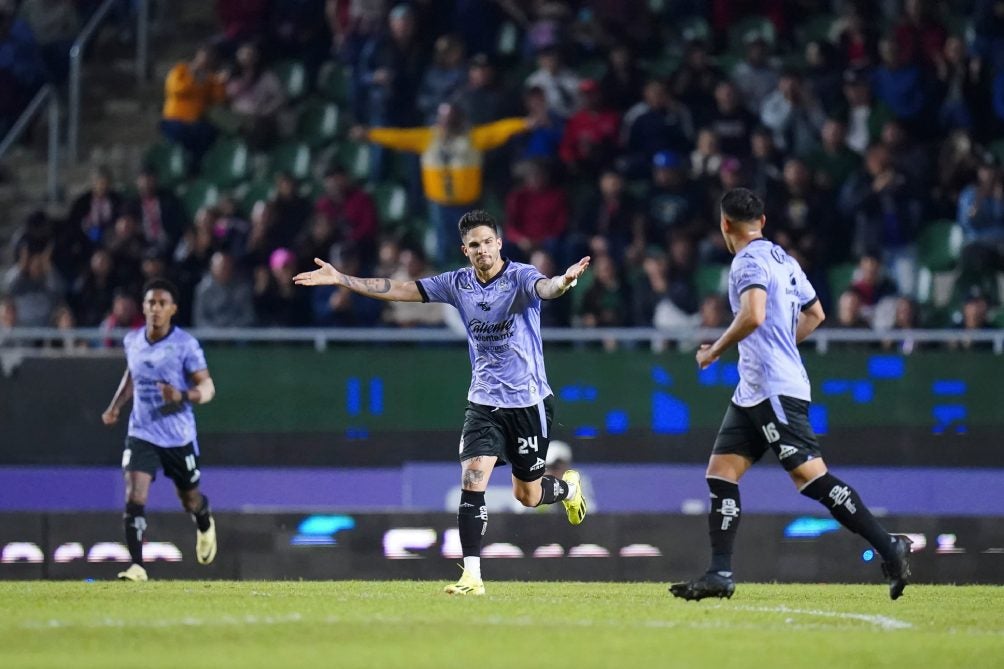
(775, 308)
(509, 405)
(165, 375)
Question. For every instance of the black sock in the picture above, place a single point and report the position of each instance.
(553, 489)
(472, 519)
(846, 506)
(202, 515)
(135, 526)
(723, 523)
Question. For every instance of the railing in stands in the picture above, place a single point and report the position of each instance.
(322, 338)
(76, 57)
(46, 94)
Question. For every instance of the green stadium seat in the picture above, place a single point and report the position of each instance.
(997, 149)
(939, 246)
(839, 278)
(711, 280)
(169, 161)
(816, 29)
(333, 82)
(293, 75)
(197, 194)
(391, 202)
(227, 163)
(508, 40)
(356, 159)
(251, 192)
(291, 157)
(759, 25)
(319, 123)
(593, 68)
(694, 28)
(663, 65)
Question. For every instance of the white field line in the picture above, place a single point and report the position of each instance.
(883, 622)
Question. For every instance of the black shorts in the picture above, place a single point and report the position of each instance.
(517, 436)
(778, 423)
(180, 463)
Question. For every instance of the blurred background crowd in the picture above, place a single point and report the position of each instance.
(358, 131)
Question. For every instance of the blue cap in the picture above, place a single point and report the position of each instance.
(667, 160)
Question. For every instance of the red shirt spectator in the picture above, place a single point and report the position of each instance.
(591, 133)
(350, 209)
(537, 211)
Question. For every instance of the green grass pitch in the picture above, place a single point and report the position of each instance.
(282, 625)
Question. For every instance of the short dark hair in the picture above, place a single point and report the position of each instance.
(475, 218)
(741, 205)
(161, 284)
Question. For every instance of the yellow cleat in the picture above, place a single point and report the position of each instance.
(205, 544)
(467, 585)
(575, 507)
(135, 572)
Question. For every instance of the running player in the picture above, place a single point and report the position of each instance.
(509, 405)
(775, 308)
(165, 375)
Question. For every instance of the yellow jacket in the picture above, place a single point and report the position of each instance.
(451, 166)
(186, 98)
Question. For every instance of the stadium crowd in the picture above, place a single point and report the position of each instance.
(358, 131)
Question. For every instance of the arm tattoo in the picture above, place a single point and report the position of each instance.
(376, 286)
(473, 477)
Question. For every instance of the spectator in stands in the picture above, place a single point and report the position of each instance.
(730, 121)
(92, 292)
(537, 213)
(793, 115)
(623, 81)
(655, 294)
(190, 90)
(34, 286)
(350, 210)
(864, 116)
(612, 215)
(411, 266)
(390, 70)
(125, 314)
(849, 311)
(886, 210)
(191, 259)
(908, 156)
(695, 82)
(276, 300)
(230, 229)
(55, 25)
(320, 239)
(546, 127)
(297, 29)
(240, 21)
(706, 158)
(8, 314)
(125, 242)
(764, 164)
(223, 299)
(959, 86)
(94, 212)
(22, 70)
(606, 303)
(856, 36)
(481, 98)
(444, 78)
(591, 134)
(901, 85)
(833, 162)
(981, 217)
(824, 75)
(756, 76)
(877, 293)
(920, 34)
(974, 315)
(553, 313)
(800, 215)
(657, 123)
(340, 307)
(675, 201)
(255, 97)
(290, 211)
(559, 82)
(161, 217)
(451, 154)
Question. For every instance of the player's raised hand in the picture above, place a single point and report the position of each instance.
(705, 357)
(575, 271)
(110, 416)
(325, 276)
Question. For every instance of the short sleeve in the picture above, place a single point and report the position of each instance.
(806, 292)
(194, 359)
(748, 273)
(527, 278)
(439, 288)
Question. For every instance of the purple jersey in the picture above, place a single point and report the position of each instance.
(769, 363)
(502, 318)
(172, 360)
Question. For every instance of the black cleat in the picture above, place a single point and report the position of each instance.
(897, 570)
(711, 584)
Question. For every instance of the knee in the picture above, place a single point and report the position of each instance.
(528, 497)
(136, 497)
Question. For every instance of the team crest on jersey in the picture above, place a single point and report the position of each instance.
(504, 285)
(778, 254)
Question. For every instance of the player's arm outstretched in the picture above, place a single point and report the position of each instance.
(808, 321)
(556, 286)
(121, 397)
(752, 312)
(380, 289)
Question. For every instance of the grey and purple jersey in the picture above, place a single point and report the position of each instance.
(769, 363)
(172, 360)
(502, 318)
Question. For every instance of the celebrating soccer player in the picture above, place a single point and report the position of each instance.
(775, 308)
(509, 405)
(165, 375)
